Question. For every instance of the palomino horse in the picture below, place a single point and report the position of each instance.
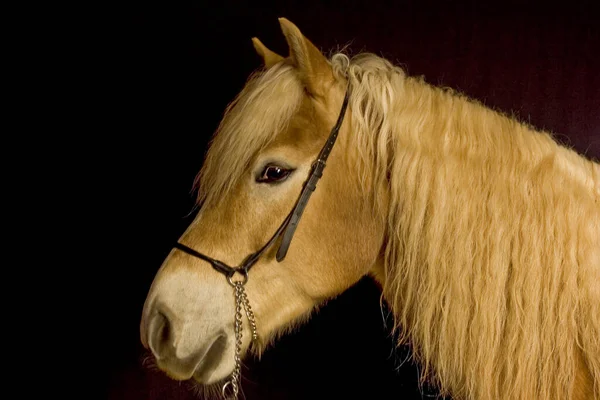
(483, 233)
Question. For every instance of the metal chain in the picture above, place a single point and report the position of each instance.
(249, 313)
(241, 301)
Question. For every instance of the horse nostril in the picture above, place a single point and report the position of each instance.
(160, 335)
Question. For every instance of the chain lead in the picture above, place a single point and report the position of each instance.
(241, 301)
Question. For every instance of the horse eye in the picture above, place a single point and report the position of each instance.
(273, 174)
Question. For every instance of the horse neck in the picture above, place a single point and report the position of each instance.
(456, 178)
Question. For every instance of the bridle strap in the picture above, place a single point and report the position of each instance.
(216, 264)
(289, 225)
(311, 183)
(245, 266)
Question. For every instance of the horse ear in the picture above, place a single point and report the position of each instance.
(315, 71)
(269, 57)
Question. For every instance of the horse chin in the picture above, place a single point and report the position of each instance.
(215, 366)
(207, 391)
(211, 366)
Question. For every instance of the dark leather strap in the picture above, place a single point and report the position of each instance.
(216, 264)
(248, 262)
(311, 183)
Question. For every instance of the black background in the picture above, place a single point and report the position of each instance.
(162, 76)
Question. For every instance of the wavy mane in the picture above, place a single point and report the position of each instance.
(492, 260)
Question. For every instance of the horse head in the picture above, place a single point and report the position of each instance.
(262, 158)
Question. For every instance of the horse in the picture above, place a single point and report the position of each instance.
(482, 232)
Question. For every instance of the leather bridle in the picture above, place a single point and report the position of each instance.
(286, 231)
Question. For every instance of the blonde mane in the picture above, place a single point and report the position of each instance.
(492, 260)
(492, 253)
(251, 122)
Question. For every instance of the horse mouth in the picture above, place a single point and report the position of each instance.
(210, 360)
